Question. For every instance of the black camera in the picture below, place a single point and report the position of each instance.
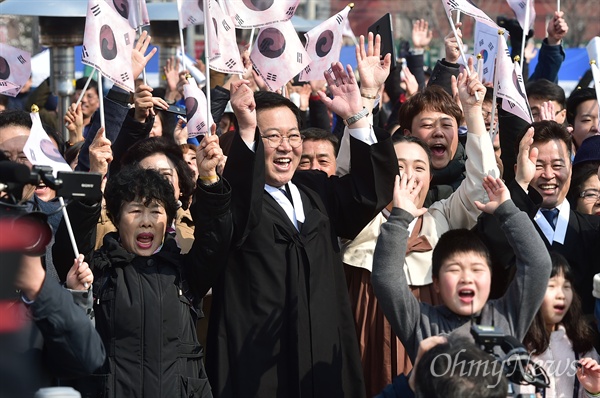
(516, 361)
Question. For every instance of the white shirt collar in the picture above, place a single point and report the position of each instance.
(557, 234)
(294, 213)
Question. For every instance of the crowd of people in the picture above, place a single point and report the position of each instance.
(331, 239)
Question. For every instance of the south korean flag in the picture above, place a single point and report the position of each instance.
(15, 69)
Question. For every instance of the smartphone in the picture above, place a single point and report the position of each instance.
(383, 28)
(177, 110)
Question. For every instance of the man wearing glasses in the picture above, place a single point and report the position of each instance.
(281, 324)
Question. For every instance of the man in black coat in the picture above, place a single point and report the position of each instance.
(542, 180)
(281, 324)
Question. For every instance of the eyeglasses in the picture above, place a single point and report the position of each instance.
(590, 195)
(295, 140)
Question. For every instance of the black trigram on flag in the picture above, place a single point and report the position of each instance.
(485, 70)
(330, 71)
(126, 39)
(339, 19)
(511, 104)
(290, 11)
(507, 52)
(299, 57)
(3, 84)
(491, 46)
(200, 126)
(96, 10)
(271, 77)
(522, 4)
(230, 63)
(124, 76)
(84, 53)
(226, 26)
(481, 42)
(21, 59)
(307, 69)
(192, 20)
(239, 20)
(452, 3)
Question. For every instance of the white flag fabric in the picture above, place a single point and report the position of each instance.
(486, 39)
(347, 30)
(107, 44)
(40, 150)
(195, 104)
(511, 87)
(467, 8)
(323, 45)
(520, 9)
(257, 13)
(191, 12)
(224, 53)
(190, 67)
(15, 69)
(278, 54)
(593, 49)
(135, 11)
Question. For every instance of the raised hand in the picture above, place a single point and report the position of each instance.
(171, 71)
(589, 375)
(406, 194)
(468, 85)
(547, 111)
(145, 103)
(208, 156)
(180, 134)
(138, 57)
(346, 100)
(452, 45)
(244, 108)
(74, 123)
(100, 153)
(526, 160)
(372, 70)
(80, 276)
(497, 192)
(421, 35)
(557, 28)
(412, 86)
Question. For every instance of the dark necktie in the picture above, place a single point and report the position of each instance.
(287, 193)
(551, 215)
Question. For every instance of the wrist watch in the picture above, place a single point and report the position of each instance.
(355, 118)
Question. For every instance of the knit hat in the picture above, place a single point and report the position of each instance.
(589, 151)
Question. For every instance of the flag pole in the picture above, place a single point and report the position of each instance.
(457, 16)
(525, 31)
(479, 67)
(85, 87)
(517, 58)
(493, 131)
(351, 5)
(460, 48)
(207, 61)
(183, 48)
(558, 5)
(101, 95)
(140, 30)
(249, 46)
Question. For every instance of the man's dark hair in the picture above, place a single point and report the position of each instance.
(269, 100)
(543, 89)
(577, 97)
(399, 137)
(580, 174)
(546, 131)
(4, 100)
(317, 134)
(80, 84)
(153, 145)
(489, 96)
(432, 98)
(146, 185)
(15, 118)
(459, 241)
(459, 369)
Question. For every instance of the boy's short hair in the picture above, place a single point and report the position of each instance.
(432, 98)
(543, 89)
(458, 241)
(577, 97)
(459, 369)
